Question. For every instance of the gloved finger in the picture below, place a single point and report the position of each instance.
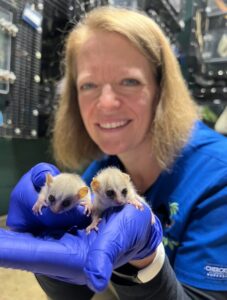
(39, 171)
(75, 217)
(123, 236)
(63, 257)
(20, 216)
(23, 197)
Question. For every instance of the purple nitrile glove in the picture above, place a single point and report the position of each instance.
(82, 258)
(61, 258)
(123, 236)
(24, 195)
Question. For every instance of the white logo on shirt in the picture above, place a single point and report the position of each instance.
(216, 272)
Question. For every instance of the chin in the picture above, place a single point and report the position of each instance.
(112, 150)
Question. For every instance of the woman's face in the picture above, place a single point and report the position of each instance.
(116, 91)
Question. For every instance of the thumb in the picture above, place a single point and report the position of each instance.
(39, 171)
(120, 237)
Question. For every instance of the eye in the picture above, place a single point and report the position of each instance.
(88, 86)
(51, 199)
(110, 194)
(124, 192)
(66, 203)
(130, 82)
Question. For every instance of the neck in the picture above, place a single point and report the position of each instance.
(143, 170)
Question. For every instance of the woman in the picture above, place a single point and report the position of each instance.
(125, 103)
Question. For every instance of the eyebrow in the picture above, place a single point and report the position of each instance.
(84, 76)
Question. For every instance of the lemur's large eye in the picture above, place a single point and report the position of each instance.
(110, 194)
(124, 192)
(66, 203)
(51, 199)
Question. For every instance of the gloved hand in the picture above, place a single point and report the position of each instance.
(59, 256)
(80, 258)
(24, 195)
(124, 234)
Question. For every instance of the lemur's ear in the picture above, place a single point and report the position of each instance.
(95, 185)
(49, 179)
(127, 177)
(82, 192)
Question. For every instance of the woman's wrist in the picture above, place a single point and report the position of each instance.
(144, 262)
(150, 266)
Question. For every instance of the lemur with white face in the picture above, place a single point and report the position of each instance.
(62, 192)
(111, 188)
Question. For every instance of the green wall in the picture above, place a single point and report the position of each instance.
(16, 157)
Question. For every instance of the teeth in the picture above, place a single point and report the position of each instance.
(113, 125)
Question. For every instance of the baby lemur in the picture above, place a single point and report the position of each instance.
(63, 192)
(111, 188)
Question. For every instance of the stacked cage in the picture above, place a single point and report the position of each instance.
(55, 27)
(206, 60)
(19, 104)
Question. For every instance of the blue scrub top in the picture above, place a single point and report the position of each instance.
(191, 202)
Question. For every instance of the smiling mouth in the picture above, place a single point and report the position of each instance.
(113, 125)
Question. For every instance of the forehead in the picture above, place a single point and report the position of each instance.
(109, 54)
(111, 178)
(110, 46)
(63, 186)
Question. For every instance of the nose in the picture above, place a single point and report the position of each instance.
(108, 98)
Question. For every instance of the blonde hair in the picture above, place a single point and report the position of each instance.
(175, 112)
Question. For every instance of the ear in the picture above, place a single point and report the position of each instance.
(127, 177)
(49, 179)
(95, 185)
(82, 192)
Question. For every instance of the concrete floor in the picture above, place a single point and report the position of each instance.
(15, 284)
(22, 285)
